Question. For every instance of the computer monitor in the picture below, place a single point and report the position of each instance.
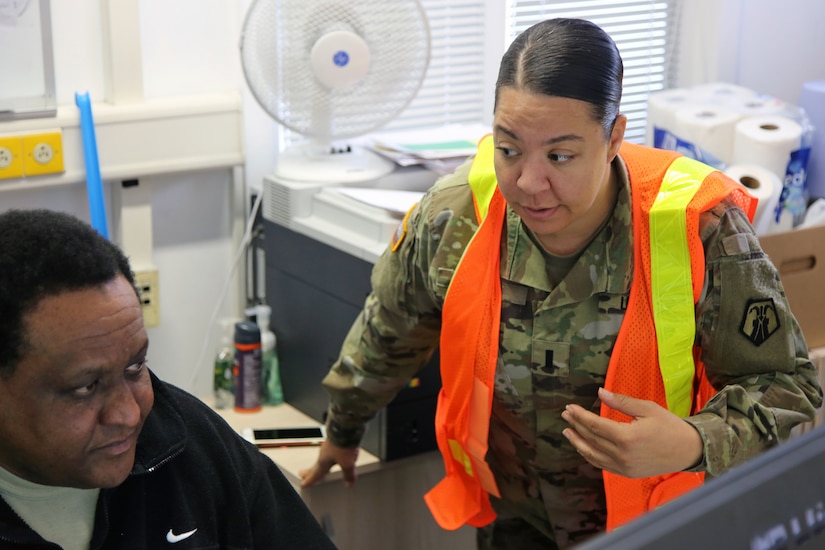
(775, 501)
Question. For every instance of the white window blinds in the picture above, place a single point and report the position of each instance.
(453, 88)
(645, 32)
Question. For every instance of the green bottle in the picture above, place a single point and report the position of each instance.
(224, 379)
(271, 391)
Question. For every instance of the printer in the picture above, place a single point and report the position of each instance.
(320, 245)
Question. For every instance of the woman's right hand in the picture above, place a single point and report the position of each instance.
(328, 456)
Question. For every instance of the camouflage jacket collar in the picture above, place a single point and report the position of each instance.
(605, 265)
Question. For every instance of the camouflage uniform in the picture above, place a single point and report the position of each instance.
(555, 345)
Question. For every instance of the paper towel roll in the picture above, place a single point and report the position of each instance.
(812, 100)
(709, 127)
(765, 186)
(662, 107)
(758, 106)
(766, 141)
(721, 92)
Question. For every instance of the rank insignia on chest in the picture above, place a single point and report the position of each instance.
(759, 320)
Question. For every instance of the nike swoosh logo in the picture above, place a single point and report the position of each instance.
(173, 538)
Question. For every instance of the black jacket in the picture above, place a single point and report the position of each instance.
(192, 471)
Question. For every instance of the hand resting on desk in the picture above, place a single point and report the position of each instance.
(328, 456)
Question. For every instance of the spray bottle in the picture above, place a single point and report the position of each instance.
(271, 391)
(223, 380)
(247, 367)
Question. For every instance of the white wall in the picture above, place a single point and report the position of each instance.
(191, 46)
(781, 46)
(771, 46)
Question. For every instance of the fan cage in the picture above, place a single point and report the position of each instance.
(276, 41)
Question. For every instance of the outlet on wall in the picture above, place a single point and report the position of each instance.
(6, 157)
(43, 153)
(11, 161)
(146, 281)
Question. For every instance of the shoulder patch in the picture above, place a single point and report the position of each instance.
(401, 231)
(760, 320)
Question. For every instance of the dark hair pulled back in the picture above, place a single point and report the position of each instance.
(570, 58)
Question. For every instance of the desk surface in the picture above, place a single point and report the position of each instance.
(385, 508)
(292, 460)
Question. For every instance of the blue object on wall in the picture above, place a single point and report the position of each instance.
(94, 185)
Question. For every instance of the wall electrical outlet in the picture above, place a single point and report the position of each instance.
(146, 281)
(43, 153)
(11, 157)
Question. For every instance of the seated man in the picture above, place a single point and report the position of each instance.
(95, 450)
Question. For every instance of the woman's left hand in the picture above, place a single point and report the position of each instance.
(654, 442)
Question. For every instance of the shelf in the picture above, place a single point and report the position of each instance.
(172, 135)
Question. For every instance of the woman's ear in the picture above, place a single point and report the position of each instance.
(616, 137)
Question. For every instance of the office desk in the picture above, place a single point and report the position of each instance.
(385, 509)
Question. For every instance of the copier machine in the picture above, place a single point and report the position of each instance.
(320, 246)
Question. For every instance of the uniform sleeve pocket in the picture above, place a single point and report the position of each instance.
(754, 331)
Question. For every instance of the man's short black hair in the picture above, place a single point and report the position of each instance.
(44, 253)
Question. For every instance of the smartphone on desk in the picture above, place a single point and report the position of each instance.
(285, 437)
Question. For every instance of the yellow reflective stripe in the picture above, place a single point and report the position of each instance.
(482, 178)
(671, 284)
(460, 456)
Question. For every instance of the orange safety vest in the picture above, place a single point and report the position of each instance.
(666, 188)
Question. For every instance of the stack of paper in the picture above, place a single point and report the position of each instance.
(394, 201)
(439, 149)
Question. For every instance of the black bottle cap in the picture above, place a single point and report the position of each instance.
(247, 332)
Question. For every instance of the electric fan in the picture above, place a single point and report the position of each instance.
(331, 70)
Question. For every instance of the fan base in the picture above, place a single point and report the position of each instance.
(354, 164)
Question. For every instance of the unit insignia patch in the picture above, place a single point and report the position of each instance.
(759, 320)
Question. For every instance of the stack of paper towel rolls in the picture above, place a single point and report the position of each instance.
(768, 141)
(662, 107)
(765, 186)
(749, 136)
(708, 126)
(723, 92)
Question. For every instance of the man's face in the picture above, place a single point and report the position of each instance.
(71, 412)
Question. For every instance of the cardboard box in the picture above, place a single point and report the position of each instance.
(799, 255)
